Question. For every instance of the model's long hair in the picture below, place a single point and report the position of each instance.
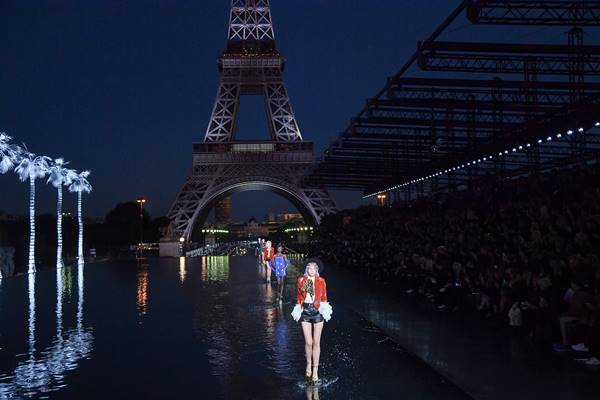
(312, 264)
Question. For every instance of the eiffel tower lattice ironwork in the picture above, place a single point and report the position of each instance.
(250, 65)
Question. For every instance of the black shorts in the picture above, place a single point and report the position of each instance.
(310, 314)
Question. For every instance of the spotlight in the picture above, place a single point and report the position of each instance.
(520, 147)
(558, 135)
(597, 124)
(549, 138)
(569, 132)
(539, 140)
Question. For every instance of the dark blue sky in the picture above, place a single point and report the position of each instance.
(124, 87)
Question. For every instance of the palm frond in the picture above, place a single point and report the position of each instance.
(6, 163)
(80, 183)
(59, 175)
(32, 166)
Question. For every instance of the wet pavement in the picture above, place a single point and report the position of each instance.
(191, 327)
(486, 364)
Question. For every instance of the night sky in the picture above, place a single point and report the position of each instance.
(124, 87)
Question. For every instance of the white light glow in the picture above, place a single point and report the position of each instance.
(479, 160)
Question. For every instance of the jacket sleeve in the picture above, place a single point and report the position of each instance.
(299, 291)
(324, 295)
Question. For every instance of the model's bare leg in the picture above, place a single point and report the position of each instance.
(280, 287)
(268, 264)
(308, 345)
(316, 349)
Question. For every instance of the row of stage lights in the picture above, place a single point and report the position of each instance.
(570, 132)
(214, 231)
(299, 229)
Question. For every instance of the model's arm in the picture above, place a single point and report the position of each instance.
(299, 291)
(297, 311)
(325, 308)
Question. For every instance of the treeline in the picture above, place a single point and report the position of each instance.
(110, 236)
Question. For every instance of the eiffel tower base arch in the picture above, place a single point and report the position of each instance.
(275, 172)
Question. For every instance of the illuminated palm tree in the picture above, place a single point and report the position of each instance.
(8, 153)
(32, 167)
(59, 177)
(80, 184)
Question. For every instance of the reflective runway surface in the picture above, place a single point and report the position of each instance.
(181, 328)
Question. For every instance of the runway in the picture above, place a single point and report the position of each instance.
(194, 327)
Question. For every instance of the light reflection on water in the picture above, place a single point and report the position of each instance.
(215, 268)
(214, 326)
(182, 271)
(39, 372)
(142, 290)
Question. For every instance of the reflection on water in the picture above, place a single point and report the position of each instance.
(312, 392)
(182, 271)
(281, 344)
(67, 281)
(269, 315)
(39, 372)
(142, 289)
(212, 323)
(215, 268)
(242, 345)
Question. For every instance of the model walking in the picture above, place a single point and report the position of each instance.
(267, 256)
(279, 266)
(311, 309)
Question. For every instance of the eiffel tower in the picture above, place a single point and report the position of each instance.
(221, 165)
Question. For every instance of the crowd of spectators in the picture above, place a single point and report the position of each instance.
(524, 252)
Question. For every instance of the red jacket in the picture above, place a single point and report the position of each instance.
(265, 255)
(320, 290)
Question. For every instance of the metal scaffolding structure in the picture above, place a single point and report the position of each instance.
(472, 109)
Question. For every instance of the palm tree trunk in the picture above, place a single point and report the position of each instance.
(79, 296)
(59, 304)
(31, 339)
(59, 247)
(31, 224)
(80, 220)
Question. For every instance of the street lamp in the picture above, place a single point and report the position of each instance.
(141, 201)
